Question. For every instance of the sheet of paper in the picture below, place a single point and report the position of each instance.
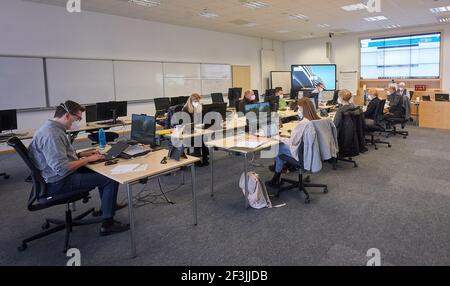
(123, 169)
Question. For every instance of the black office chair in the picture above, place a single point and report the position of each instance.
(393, 121)
(110, 137)
(302, 183)
(371, 130)
(217, 97)
(4, 175)
(39, 200)
(256, 93)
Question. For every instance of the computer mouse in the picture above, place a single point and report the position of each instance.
(111, 162)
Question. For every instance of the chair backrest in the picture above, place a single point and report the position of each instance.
(256, 92)
(217, 97)
(380, 111)
(39, 186)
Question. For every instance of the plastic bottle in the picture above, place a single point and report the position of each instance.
(101, 138)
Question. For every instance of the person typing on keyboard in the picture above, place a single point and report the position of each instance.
(62, 168)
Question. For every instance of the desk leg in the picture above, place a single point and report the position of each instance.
(194, 194)
(211, 154)
(246, 180)
(131, 219)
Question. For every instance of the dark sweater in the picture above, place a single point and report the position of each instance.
(371, 111)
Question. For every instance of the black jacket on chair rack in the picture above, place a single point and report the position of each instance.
(350, 130)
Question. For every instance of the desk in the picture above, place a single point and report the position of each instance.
(434, 114)
(228, 145)
(154, 169)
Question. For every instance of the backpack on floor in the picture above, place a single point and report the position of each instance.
(257, 196)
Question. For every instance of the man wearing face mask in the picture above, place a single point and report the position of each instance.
(249, 98)
(371, 111)
(62, 168)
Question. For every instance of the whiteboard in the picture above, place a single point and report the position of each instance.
(348, 80)
(181, 87)
(282, 79)
(215, 71)
(215, 85)
(22, 83)
(138, 80)
(83, 81)
(181, 70)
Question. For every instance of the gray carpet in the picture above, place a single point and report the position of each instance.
(398, 201)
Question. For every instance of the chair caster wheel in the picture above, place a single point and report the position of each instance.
(6, 177)
(356, 166)
(308, 179)
(325, 191)
(23, 247)
(404, 137)
(389, 146)
(376, 148)
(97, 213)
(45, 226)
(307, 201)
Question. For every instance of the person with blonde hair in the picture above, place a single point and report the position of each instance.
(306, 113)
(249, 98)
(345, 101)
(193, 107)
(371, 111)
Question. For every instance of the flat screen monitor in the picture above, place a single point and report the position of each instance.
(308, 76)
(179, 100)
(442, 97)
(257, 108)
(91, 113)
(270, 92)
(220, 108)
(143, 129)
(234, 94)
(8, 119)
(111, 110)
(162, 103)
(217, 97)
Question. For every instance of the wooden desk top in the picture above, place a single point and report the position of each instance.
(154, 167)
(229, 143)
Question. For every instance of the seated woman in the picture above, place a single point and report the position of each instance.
(193, 107)
(371, 111)
(249, 98)
(306, 113)
(345, 101)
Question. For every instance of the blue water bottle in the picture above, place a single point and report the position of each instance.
(101, 138)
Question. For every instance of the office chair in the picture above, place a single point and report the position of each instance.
(217, 97)
(256, 92)
(377, 127)
(39, 200)
(4, 175)
(394, 121)
(302, 183)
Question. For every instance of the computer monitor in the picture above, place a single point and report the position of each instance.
(217, 97)
(274, 102)
(442, 97)
(111, 110)
(162, 103)
(234, 94)
(293, 94)
(256, 93)
(8, 119)
(91, 113)
(307, 92)
(426, 98)
(258, 109)
(411, 95)
(179, 100)
(220, 108)
(143, 129)
(270, 92)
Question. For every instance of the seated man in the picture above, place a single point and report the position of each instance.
(61, 167)
(371, 111)
(395, 103)
(249, 98)
(282, 104)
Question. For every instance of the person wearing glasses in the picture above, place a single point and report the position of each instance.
(62, 168)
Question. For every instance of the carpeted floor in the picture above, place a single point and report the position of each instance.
(397, 200)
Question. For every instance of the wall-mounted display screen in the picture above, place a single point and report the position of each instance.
(409, 57)
(308, 76)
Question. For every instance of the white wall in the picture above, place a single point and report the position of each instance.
(346, 50)
(30, 29)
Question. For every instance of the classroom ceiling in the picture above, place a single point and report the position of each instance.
(279, 20)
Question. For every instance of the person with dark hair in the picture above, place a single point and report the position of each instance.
(62, 168)
(282, 104)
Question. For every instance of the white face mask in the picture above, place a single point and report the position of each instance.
(252, 98)
(75, 125)
(300, 113)
(370, 97)
(339, 100)
(196, 104)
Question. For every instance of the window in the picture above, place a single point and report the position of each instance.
(409, 57)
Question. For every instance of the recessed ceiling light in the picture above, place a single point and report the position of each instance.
(375, 19)
(440, 9)
(444, 19)
(146, 3)
(392, 26)
(298, 17)
(254, 4)
(205, 13)
(323, 26)
(354, 7)
(282, 31)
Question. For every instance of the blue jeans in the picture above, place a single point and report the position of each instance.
(85, 179)
(283, 149)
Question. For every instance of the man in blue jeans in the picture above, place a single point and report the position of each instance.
(63, 169)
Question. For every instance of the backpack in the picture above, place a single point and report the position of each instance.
(257, 193)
